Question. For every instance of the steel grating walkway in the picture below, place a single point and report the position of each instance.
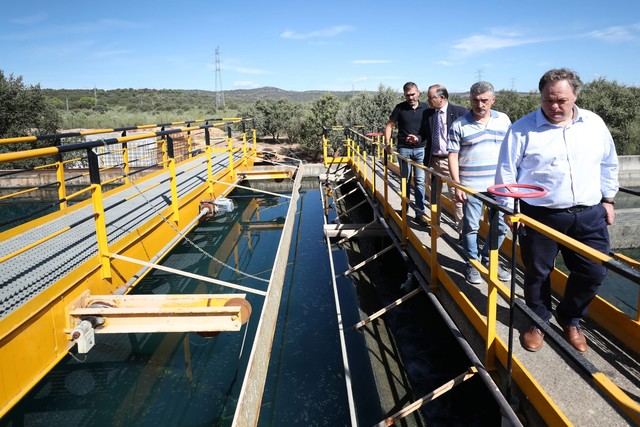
(573, 391)
(30, 273)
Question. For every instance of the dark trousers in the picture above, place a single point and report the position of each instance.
(587, 225)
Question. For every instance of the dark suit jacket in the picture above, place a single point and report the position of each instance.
(453, 112)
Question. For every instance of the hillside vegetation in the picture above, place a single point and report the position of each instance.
(284, 116)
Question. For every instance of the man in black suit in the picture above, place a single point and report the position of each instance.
(439, 119)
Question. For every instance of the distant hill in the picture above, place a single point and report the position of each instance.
(176, 99)
(251, 95)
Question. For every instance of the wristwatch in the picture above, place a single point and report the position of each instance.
(608, 200)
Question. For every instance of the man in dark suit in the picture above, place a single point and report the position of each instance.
(439, 119)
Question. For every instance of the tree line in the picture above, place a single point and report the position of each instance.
(617, 104)
(29, 109)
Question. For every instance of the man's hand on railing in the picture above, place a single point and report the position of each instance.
(461, 196)
(513, 225)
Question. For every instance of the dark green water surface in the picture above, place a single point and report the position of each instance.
(186, 380)
(183, 379)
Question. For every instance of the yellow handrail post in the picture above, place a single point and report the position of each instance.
(394, 158)
(363, 163)
(244, 143)
(98, 211)
(325, 150)
(403, 197)
(385, 173)
(232, 172)
(492, 291)
(101, 231)
(254, 137)
(373, 181)
(189, 143)
(165, 155)
(125, 160)
(434, 223)
(348, 142)
(365, 159)
(62, 188)
(173, 179)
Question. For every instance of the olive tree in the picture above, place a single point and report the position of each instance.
(24, 109)
(619, 107)
(273, 116)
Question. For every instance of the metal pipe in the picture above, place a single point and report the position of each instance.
(343, 343)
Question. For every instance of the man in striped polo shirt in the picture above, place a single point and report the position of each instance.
(474, 145)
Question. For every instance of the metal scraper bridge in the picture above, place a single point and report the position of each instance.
(126, 197)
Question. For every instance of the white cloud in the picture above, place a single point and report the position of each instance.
(616, 33)
(445, 63)
(370, 61)
(499, 38)
(30, 19)
(496, 39)
(322, 33)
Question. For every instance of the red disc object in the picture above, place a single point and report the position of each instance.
(515, 191)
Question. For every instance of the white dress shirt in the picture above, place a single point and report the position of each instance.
(577, 163)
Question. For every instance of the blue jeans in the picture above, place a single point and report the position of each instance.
(472, 213)
(417, 155)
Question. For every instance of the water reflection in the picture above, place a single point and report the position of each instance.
(168, 379)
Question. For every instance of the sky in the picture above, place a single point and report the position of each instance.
(316, 45)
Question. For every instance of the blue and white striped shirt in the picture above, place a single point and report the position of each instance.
(577, 163)
(478, 145)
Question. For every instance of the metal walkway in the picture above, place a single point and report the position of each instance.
(601, 387)
(30, 273)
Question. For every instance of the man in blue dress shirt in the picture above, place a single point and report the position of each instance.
(570, 152)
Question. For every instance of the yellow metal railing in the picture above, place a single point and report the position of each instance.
(363, 153)
(95, 188)
(102, 272)
(127, 165)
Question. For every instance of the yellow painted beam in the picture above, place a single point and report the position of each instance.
(41, 324)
